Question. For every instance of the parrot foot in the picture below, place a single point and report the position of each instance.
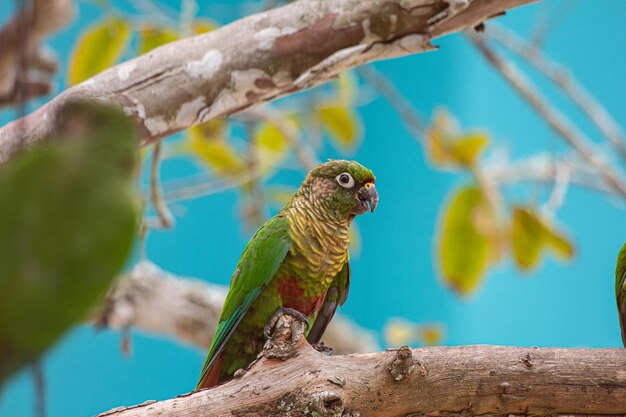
(322, 348)
(284, 333)
(267, 330)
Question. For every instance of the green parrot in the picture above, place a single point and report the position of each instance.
(297, 260)
(68, 220)
(620, 290)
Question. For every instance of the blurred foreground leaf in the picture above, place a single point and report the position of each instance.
(464, 249)
(98, 49)
(67, 224)
(532, 235)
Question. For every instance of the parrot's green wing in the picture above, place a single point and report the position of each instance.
(257, 266)
(620, 290)
(335, 296)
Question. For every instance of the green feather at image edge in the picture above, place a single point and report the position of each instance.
(620, 290)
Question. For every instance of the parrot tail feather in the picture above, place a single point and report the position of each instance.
(212, 375)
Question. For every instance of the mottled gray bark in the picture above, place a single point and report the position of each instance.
(257, 59)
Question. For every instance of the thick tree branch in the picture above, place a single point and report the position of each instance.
(438, 381)
(187, 309)
(257, 59)
(20, 41)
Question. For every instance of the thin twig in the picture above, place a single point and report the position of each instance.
(564, 80)
(548, 21)
(166, 220)
(254, 204)
(404, 108)
(544, 168)
(562, 174)
(208, 187)
(39, 382)
(156, 13)
(555, 119)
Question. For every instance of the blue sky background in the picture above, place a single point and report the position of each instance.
(569, 305)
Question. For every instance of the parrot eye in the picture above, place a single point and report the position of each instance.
(345, 180)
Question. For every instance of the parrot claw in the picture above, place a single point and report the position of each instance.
(322, 348)
(267, 330)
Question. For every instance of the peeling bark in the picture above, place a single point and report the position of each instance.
(452, 381)
(187, 310)
(257, 59)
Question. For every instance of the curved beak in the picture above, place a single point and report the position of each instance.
(368, 193)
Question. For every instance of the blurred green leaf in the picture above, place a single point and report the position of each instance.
(151, 37)
(341, 123)
(464, 248)
(208, 142)
(98, 49)
(67, 223)
(531, 235)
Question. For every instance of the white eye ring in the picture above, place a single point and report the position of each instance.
(345, 180)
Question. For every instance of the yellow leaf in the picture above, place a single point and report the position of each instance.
(399, 332)
(528, 238)
(207, 141)
(447, 147)
(464, 249)
(531, 235)
(431, 334)
(151, 37)
(204, 26)
(466, 150)
(342, 124)
(347, 88)
(272, 142)
(560, 245)
(98, 49)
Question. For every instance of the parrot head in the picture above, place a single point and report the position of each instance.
(344, 187)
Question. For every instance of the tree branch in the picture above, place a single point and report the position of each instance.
(436, 381)
(20, 39)
(257, 59)
(187, 309)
